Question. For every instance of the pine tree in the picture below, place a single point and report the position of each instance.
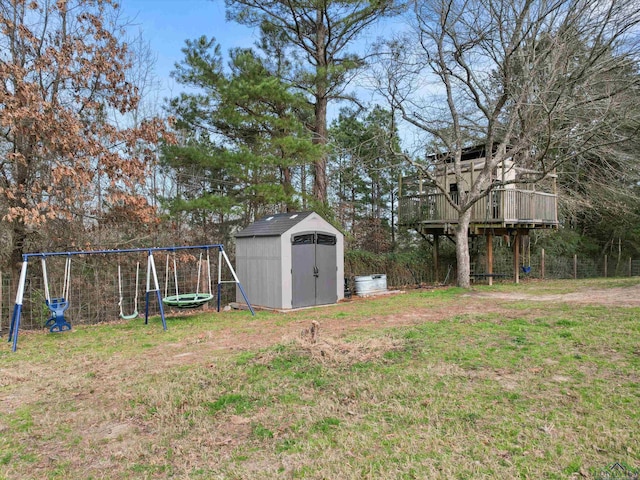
(242, 136)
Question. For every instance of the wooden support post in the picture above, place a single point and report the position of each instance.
(629, 266)
(490, 257)
(575, 267)
(516, 258)
(436, 260)
(542, 264)
(606, 264)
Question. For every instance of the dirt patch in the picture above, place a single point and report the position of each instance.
(619, 297)
(329, 347)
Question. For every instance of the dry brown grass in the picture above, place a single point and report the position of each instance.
(326, 350)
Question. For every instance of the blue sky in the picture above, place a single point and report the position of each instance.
(166, 24)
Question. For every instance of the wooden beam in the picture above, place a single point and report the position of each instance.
(436, 248)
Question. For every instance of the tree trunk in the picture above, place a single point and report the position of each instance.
(288, 188)
(24, 147)
(320, 126)
(320, 138)
(19, 239)
(393, 221)
(462, 250)
(303, 185)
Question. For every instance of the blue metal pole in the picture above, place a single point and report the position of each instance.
(16, 314)
(164, 321)
(246, 299)
(17, 309)
(146, 309)
(219, 289)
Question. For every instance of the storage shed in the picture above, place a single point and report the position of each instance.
(291, 260)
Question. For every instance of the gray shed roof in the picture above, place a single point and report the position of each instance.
(273, 225)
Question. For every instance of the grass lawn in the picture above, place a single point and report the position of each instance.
(440, 384)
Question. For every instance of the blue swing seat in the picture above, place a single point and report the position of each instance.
(57, 322)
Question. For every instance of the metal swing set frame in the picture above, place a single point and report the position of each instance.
(61, 304)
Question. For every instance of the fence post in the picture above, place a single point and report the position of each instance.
(629, 266)
(605, 266)
(575, 266)
(542, 264)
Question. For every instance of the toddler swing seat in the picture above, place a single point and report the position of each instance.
(58, 305)
(57, 323)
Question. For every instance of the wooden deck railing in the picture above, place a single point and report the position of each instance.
(506, 206)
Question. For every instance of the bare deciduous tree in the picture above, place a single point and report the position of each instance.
(63, 71)
(539, 82)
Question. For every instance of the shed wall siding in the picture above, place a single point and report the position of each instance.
(258, 266)
(286, 271)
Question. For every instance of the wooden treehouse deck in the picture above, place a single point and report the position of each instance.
(499, 212)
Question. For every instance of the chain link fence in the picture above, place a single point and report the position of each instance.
(94, 294)
(97, 293)
(420, 272)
